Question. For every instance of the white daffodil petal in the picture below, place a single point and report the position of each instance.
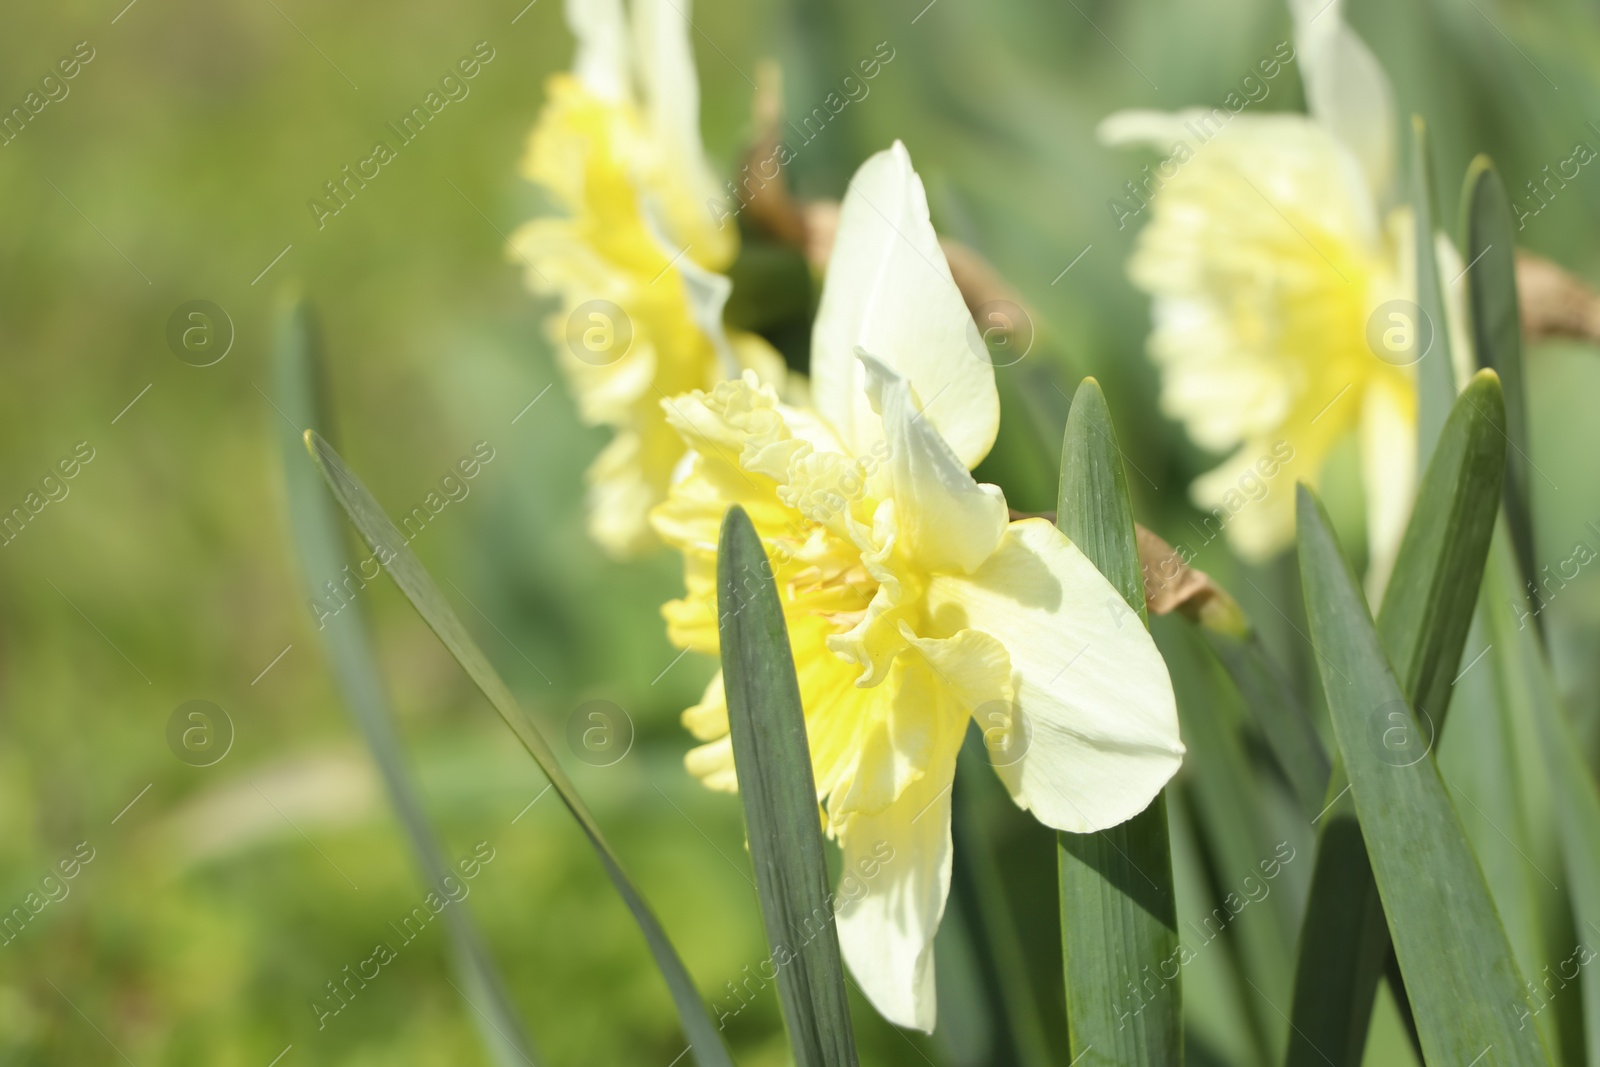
(949, 520)
(896, 871)
(1346, 87)
(1164, 130)
(889, 290)
(671, 90)
(1389, 471)
(602, 60)
(1095, 707)
(1463, 361)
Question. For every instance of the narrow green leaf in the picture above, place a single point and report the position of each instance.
(1436, 384)
(1427, 608)
(773, 762)
(1235, 834)
(1119, 921)
(297, 371)
(389, 545)
(1465, 988)
(988, 1006)
(1423, 623)
(1489, 245)
(1529, 692)
(1094, 508)
(1279, 712)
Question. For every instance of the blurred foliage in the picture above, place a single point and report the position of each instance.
(179, 166)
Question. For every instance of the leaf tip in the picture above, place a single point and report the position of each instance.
(1088, 400)
(1307, 505)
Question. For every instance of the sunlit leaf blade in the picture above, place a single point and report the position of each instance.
(1119, 921)
(1427, 608)
(1094, 508)
(1489, 245)
(773, 762)
(1436, 388)
(1529, 690)
(1423, 623)
(320, 547)
(389, 544)
(1465, 988)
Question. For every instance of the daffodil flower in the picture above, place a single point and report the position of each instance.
(913, 603)
(1270, 268)
(634, 252)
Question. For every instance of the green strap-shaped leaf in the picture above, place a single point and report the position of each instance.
(1436, 382)
(1423, 623)
(1465, 989)
(1278, 710)
(389, 544)
(1529, 691)
(988, 1006)
(314, 525)
(1119, 918)
(1489, 246)
(773, 762)
(1427, 608)
(1226, 796)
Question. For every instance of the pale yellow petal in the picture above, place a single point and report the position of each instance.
(1095, 704)
(713, 764)
(1250, 496)
(601, 63)
(896, 864)
(889, 290)
(949, 520)
(1346, 87)
(620, 497)
(708, 720)
(1454, 282)
(1389, 470)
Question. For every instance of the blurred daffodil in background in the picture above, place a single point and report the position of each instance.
(633, 253)
(912, 601)
(1268, 258)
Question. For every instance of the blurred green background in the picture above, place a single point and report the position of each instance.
(179, 166)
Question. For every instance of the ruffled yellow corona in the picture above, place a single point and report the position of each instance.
(634, 251)
(913, 603)
(1271, 273)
